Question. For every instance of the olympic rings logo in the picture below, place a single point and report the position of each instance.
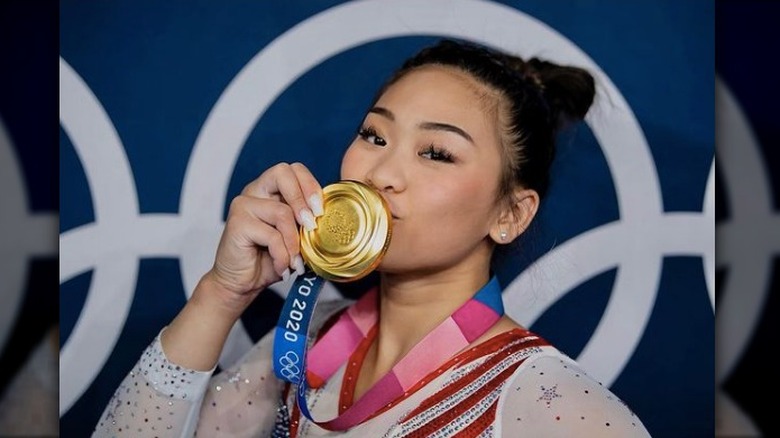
(289, 367)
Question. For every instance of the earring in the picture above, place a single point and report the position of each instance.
(502, 235)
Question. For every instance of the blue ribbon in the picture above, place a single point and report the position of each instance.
(292, 328)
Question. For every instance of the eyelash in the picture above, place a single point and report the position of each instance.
(430, 152)
(437, 154)
(366, 132)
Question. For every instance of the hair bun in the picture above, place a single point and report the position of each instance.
(569, 91)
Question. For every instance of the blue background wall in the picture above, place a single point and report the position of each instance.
(157, 71)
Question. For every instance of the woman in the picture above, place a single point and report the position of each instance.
(459, 143)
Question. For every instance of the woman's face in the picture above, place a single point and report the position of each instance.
(431, 147)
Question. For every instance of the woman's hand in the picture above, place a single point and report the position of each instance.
(259, 244)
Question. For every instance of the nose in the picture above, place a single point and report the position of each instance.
(386, 173)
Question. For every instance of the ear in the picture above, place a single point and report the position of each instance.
(515, 216)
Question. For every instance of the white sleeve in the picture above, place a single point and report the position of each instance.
(157, 398)
(160, 399)
(551, 396)
(242, 401)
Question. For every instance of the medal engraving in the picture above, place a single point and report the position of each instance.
(341, 225)
(352, 235)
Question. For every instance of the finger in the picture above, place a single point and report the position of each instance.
(312, 191)
(278, 215)
(282, 180)
(274, 213)
(264, 186)
(249, 232)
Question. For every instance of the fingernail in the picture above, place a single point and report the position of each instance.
(315, 202)
(286, 274)
(297, 264)
(308, 220)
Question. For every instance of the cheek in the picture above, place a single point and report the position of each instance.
(351, 163)
(468, 199)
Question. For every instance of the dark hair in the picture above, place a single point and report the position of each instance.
(537, 99)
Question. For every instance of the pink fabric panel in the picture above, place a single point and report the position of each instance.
(432, 351)
(364, 312)
(474, 318)
(384, 391)
(332, 351)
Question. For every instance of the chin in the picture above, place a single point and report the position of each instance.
(391, 264)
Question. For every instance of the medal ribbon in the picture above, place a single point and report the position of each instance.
(456, 332)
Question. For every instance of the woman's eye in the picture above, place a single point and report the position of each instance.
(370, 135)
(436, 154)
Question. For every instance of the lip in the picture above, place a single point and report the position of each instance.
(388, 203)
(392, 209)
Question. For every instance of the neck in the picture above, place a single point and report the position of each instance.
(411, 306)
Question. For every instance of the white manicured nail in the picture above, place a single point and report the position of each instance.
(286, 274)
(308, 220)
(297, 264)
(315, 202)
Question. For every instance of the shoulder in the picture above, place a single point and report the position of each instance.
(550, 394)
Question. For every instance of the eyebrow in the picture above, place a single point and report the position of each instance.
(436, 126)
(429, 126)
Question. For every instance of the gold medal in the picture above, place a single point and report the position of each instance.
(351, 236)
